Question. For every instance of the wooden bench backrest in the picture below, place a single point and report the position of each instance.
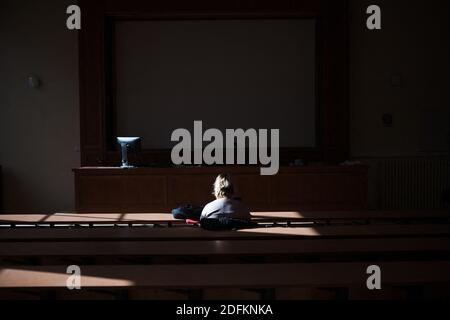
(227, 275)
(222, 247)
(193, 233)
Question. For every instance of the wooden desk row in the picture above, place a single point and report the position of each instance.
(244, 248)
(194, 233)
(228, 275)
(409, 255)
(166, 218)
(322, 256)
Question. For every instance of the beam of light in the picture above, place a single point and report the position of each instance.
(14, 277)
(301, 232)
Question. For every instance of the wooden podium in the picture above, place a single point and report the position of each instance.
(101, 189)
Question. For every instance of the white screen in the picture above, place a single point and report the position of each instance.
(228, 73)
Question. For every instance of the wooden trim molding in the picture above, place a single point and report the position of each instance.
(97, 84)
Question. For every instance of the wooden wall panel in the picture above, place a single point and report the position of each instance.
(160, 190)
(190, 189)
(253, 189)
(145, 191)
(293, 189)
(319, 191)
(100, 193)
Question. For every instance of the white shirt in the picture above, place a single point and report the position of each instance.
(225, 208)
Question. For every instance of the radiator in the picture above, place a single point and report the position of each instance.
(413, 183)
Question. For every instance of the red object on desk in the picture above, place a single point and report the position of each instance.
(192, 222)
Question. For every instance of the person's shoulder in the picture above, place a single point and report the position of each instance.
(214, 203)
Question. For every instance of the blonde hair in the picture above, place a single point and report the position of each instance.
(223, 187)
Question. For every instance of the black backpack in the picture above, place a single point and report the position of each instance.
(187, 212)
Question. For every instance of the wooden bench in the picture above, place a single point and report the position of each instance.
(86, 218)
(228, 275)
(224, 247)
(340, 256)
(354, 215)
(193, 233)
(262, 217)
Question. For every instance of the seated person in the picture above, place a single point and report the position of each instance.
(226, 212)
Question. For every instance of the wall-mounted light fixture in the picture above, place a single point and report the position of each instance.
(33, 82)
